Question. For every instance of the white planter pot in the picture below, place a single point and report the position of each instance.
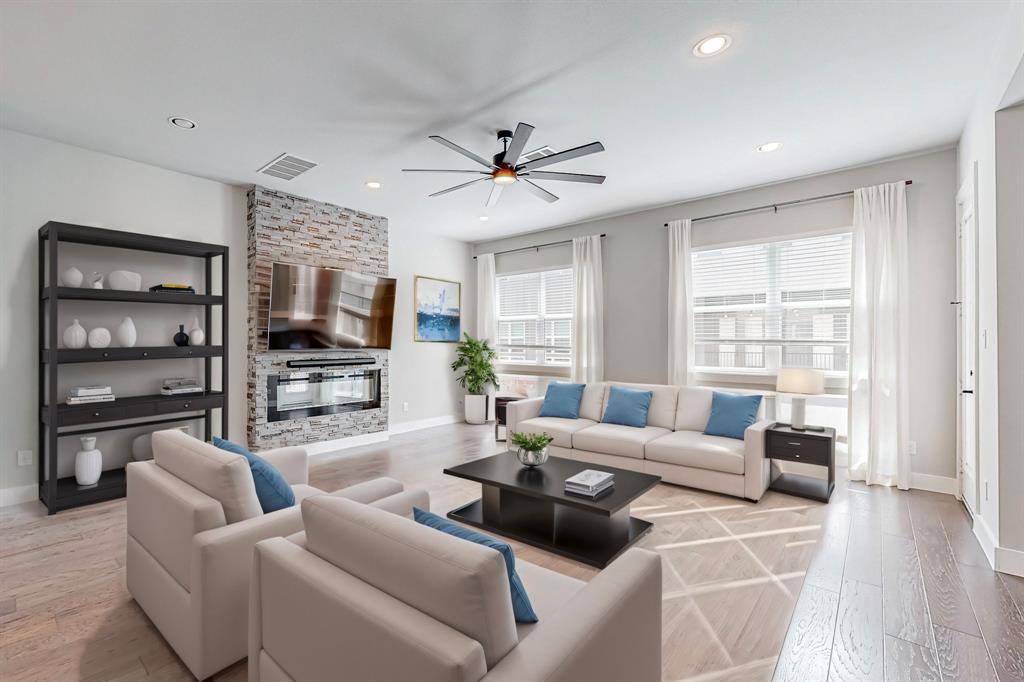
(88, 462)
(476, 409)
(126, 334)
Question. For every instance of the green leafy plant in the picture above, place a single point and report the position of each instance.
(533, 442)
(476, 358)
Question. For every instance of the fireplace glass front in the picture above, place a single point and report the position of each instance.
(296, 395)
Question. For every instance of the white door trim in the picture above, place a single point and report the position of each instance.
(966, 206)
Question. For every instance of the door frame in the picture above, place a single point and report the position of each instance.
(967, 197)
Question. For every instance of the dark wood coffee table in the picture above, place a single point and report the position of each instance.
(531, 505)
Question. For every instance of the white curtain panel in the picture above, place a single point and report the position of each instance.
(486, 306)
(879, 406)
(680, 304)
(588, 312)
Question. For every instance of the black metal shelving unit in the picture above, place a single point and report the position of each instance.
(58, 420)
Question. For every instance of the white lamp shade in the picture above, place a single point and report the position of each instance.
(800, 380)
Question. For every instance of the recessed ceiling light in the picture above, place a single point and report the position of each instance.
(182, 122)
(484, 218)
(374, 184)
(768, 146)
(712, 45)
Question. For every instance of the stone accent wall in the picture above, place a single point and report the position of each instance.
(285, 228)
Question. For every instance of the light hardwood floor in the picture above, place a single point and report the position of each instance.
(878, 584)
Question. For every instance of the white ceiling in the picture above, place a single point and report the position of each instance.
(358, 87)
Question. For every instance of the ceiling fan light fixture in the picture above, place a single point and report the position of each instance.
(504, 176)
(712, 45)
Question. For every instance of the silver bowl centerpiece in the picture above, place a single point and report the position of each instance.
(531, 448)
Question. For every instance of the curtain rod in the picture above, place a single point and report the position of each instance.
(538, 246)
(776, 207)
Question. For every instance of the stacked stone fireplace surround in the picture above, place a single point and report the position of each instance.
(285, 228)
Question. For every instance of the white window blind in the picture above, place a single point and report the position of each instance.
(758, 307)
(535, 318)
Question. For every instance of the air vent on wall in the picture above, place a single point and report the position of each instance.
(538, 153)
(287, 167)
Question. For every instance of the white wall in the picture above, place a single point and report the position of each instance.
(978, 145)
(42, 180)
(636, 272)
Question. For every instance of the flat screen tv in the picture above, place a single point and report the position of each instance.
(315, 308)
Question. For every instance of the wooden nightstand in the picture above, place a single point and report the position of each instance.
(809, 447)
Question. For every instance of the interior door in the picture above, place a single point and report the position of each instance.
(967, 345)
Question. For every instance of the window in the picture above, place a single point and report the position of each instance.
(758, 307)
(535, 320)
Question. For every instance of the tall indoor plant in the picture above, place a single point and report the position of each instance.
(475, 358)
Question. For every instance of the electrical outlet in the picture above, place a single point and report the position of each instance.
(913, 447)
(405, 406)
(24, 458)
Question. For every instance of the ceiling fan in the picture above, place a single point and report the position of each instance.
(505, 168)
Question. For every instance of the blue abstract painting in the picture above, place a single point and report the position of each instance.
(438, 310)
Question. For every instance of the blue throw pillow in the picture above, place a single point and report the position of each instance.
(627, 406)
(272, 489)
(521, 606)
(731, 414)
(562, 400)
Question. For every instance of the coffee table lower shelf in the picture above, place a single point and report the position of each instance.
(582, 536)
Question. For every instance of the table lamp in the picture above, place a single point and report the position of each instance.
(800, 381)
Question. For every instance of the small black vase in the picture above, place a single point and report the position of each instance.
(181, 338)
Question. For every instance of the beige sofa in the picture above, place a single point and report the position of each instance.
(364, 595)
(193, 519)
(672, 445)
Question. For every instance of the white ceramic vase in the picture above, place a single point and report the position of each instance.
(196, 336)
(126, 334)
(72, 277)
(99, 337)
(476, 409)
(125, 280)
(142, 447)
(96, 280)
(88, 462)
(75, 336)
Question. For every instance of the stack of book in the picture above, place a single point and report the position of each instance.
(173, 288)
(181, 386)
(589, 483)
(82, 395)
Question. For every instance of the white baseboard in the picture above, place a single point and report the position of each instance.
(417, 424)
(1010, 561)
(932, 483)
(986, 539)
(18, 494)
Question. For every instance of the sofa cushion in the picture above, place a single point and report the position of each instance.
(697, 450)
(731, 414)
(559, 429)
(694, 408)
(224, 476)
(627, 406)
(562, 400)
(662, 411)
(272, 489)
(592, 403)
(615, 439)
(521, 606)
(549, 592)
(461, 584)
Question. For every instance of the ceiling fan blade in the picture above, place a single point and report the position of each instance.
(573, 153)
(540, 192)
(465, 152)
(570, 177)
(452, 189)
(492, 200)
(440, 170)
(518, 144)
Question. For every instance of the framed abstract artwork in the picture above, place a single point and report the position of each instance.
(438, 306)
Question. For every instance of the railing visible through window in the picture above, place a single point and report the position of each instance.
(758, 307)
(535, 319)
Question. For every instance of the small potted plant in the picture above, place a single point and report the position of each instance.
(532, 448)
(476, 358)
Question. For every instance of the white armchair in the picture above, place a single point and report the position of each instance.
(193, 519)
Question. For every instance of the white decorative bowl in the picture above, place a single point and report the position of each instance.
(125, 280)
